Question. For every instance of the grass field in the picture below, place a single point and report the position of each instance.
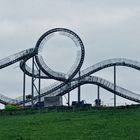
(77, 124)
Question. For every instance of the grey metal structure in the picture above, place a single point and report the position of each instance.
(66, 81)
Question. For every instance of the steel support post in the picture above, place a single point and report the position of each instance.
(68, 99)
(79, 89)
(39, 87)
(32, 86)
(114, 86)
(98, 95)
(24, 87)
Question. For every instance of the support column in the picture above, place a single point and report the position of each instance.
(98, 95)
(24, 87)
(39, 87)
(114, 86)
(32, 86)
(79, 90)
(68, 99)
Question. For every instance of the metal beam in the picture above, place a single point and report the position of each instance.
(68, 98)
(114, 86)
(32, 86)
(98, 95)
(24, 88)
(39, 86)
(79, 89)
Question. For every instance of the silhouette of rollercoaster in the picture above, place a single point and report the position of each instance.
(66, 82)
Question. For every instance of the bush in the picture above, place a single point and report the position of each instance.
(10, 107)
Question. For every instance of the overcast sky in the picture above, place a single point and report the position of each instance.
(108, 29)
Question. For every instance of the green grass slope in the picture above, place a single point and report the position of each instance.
(91, 124)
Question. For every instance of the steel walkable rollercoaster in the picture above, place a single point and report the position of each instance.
(66, 81)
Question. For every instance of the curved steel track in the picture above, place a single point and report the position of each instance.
(67, 83)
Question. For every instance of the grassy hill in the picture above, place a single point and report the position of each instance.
(71, 124)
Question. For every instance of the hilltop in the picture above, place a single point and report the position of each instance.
(71, 124)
